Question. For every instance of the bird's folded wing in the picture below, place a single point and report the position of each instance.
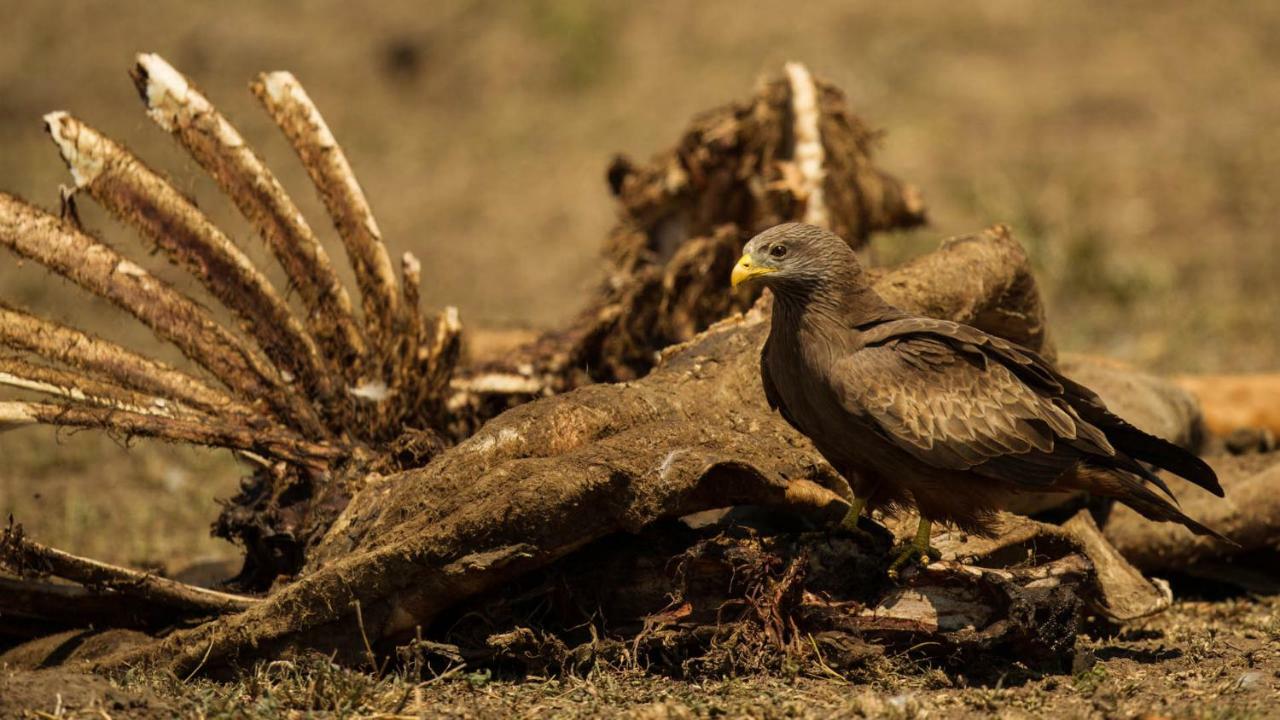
(957, 408)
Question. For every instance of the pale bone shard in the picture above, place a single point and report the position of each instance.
(809, 154)
(372, 391)
(15, 415)
(85, 165)
(411, 271)
(498, 384)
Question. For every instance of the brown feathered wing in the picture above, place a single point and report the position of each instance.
(954, 408)
(956, 398)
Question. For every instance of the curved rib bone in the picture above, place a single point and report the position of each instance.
(73, 387)
(138, 196)
(176, 106)
(98, 359)
(291, 109)
(34, 234)
(279, 444)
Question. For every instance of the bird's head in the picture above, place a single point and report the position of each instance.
(795, 260)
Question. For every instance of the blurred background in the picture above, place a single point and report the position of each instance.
(1133, 148)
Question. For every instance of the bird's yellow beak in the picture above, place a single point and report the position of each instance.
(746, 270)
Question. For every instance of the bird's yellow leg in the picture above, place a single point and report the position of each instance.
(918, 550)
(850, 521)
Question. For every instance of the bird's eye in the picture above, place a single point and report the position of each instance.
(778, 251)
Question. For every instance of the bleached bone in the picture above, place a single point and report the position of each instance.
(37, 235)
(96, 359)
(178, 107)
(291, 109)
(809, 154)
(140, 197)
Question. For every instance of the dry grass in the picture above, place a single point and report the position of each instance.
(1200, 660)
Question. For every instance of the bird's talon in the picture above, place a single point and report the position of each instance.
(910, 554)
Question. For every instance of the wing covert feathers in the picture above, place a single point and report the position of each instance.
(957, 397)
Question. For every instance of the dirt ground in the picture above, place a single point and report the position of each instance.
(1132, 147)
(1202, 660)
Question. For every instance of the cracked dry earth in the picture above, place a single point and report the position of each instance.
(1202, 659)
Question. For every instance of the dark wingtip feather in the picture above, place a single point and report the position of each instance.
(1156, 480)
(1161, 453)
(1181, 462)
(1153, 507)
(1200, 529)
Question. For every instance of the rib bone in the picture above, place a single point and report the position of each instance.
(178, 107)
(139, 196)
(291, 109)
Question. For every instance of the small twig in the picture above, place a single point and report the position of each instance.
(373, 660)
(26, 556)
(822, 662)
(197, 668)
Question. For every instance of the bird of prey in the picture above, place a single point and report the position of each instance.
(933, 414)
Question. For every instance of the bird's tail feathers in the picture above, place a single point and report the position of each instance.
(1130, 490)
(1163, 454)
